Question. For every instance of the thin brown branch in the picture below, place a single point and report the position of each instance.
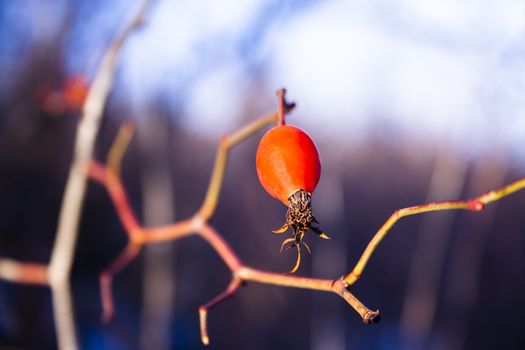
(111, 181)
(215, 240)
(118, 149)
(227, 142)
(171, 232)
(106, 278)
(475, 204)
(203, 310)
(325, 285)
(26, 273)
(281, 109)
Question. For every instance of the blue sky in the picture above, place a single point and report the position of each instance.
(444, 71)
(452, 70)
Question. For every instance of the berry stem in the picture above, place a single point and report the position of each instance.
(281, 111)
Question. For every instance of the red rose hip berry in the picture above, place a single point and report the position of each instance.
(288, 168)
(287, 161)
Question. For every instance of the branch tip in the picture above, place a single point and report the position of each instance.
(203, 319)
(372, 317)
(203, 310)
(106, 296)
(283, 107)
(119, 147)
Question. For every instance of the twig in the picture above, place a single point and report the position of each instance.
(227, 142)
(56, 273)
(118, 149)
(281, 106)
(27, 273)
(203, 310)
(106, 278)
(475, 204)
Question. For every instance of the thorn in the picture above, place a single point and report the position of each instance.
(282, 229)
(288, 240)
(307, 247)
(319, 232)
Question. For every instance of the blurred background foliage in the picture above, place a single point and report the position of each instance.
(407, 101)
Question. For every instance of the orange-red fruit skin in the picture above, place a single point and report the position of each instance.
(287, 160)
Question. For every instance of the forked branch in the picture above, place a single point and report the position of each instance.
(197, 225)
(203, 310)
(475, 204)
(56, 273)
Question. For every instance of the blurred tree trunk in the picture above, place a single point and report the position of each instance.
(158, 209)
(417, 316)
(327, 329)
(468, 249)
